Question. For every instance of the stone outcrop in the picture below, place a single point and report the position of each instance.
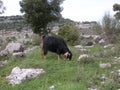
(14, 47)
(18, 75)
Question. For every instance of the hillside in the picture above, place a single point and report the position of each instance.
(93, 67)
(17, 23)
(12, 23)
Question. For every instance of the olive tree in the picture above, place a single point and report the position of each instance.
(39, 13)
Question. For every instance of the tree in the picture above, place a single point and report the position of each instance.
(38, 13)
(111, 28)
(116, 7)
(2, 8)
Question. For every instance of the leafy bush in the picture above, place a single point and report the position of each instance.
(70, 33)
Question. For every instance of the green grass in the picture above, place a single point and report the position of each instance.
(64, 75)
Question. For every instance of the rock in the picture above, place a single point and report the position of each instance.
(103, 83)
(89, 43)
(52, 87)
(102, 42)
(105, 65)
(83, 56)
(14, 47)
(18, 75)
(19, 54)
(103, 77)
(107, 46)
(92, 88)
(2, 63)
(16, 70)
(83, 59)
(118, 71)
(78, 46)
(5, 62)
(4, 53)
(97, 39)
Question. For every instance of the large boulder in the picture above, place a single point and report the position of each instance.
(18, 75)
(14, 47)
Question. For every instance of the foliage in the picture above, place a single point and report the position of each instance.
(116, 7)
(70, 33)
(38, 13)
(111, 28)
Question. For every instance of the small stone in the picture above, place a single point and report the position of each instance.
(83, 56)
(52, 87)
(103, 77)
(105, 65)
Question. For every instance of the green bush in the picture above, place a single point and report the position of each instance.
(70, 33)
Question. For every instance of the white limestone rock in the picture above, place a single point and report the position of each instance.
(18, 75)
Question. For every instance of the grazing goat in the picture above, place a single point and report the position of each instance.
(56, 45)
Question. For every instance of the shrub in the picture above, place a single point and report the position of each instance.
(111, 28)
(70, 33)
